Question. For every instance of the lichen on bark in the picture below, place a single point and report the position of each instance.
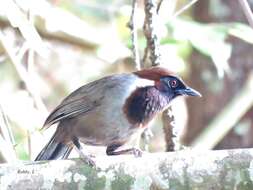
(188, 169)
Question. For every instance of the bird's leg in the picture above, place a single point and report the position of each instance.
(111, 150)
(83, 155)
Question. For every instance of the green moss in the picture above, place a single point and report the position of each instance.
(93, 182)
(245, 185)
(122, 182)
(175, 182)
(236, 172)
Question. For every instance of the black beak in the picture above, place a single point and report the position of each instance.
(189, 92)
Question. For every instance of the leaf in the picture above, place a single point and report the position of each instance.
(241, 31)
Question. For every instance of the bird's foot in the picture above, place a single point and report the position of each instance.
(113, 150)
(82, 153)
(137, 152)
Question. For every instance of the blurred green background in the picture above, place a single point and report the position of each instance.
(209, 45)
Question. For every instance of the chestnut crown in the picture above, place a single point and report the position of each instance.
(166, 82)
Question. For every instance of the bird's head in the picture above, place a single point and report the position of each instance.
(173, 86)
(167, 83)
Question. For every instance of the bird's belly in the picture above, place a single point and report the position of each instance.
(103, 128)
(105, 139)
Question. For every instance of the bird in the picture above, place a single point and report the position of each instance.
(110, 111)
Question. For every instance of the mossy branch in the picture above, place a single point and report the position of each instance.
(229, 169)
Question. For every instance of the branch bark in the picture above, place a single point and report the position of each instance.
(168, 119)
(134, 37)
(151, 33)
(229, 169)
(153, 51)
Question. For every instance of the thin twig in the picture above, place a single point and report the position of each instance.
(7, 143)
(147, 135)
(134, 36)
(153, 52)
(30, 52)
(145, 56)
(159, 4)
(23, 74)
(30, 69)
(247, 11)
(29, 144)
(149, 28)
(5, 129)
(184, 8)
(168, 119)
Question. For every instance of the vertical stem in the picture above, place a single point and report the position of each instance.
(153, 41)
(134, 35)
(159, 4)
(7, 140)
(30, 69)
(168, 119)
(151, 31)
(29, 144)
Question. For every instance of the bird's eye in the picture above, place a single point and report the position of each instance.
(173, 83)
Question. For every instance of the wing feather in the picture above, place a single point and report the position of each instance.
(81, 101)
(71, 109)
(90, 96)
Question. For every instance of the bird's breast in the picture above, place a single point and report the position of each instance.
(143, 104)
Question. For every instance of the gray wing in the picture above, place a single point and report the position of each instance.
(71, 109)
(89, 97)
(81, 101)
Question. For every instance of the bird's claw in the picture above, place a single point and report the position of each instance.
(137, 152)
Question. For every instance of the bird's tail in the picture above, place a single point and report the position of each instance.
(54, 150)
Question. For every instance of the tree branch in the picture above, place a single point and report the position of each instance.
(177, 170)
